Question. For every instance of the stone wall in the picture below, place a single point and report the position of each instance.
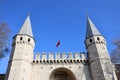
(60, 55)
(117, 70)
(45, 67)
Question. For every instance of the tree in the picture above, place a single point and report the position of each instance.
(115, 55)
(4, 33)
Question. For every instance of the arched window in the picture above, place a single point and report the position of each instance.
(21, 38)
(28, 39)
(90, 40)
(98, 38)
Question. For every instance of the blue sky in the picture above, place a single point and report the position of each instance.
(63, 20)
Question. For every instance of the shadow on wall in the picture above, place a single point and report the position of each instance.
(117, 70)
(2, 76)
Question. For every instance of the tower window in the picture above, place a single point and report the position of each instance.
(102, 42)
(98, 38)
(28, 39)
(21, 38)
(90, 40)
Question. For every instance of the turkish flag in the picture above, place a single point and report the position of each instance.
(58, 43)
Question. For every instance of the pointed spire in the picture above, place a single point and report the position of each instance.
(26, 27)
(91, 29)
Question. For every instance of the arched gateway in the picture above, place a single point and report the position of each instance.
(62, 74)
(59, 66)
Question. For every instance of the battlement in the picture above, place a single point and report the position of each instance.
(44, 57)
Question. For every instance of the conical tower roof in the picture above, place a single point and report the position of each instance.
(91, 30)
(26, 27)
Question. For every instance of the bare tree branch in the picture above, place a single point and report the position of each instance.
(4, 34)
(115, 55)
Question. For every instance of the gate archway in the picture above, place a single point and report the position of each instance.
(62, 74)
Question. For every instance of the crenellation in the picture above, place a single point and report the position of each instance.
(64, 59)
(57, 56)
(70, 55)
(51, 56)
(83, 56)
(77, 55)
(37, 56)
(64, 56)
(60, 56)
(44, 55)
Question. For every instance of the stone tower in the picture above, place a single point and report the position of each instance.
(59, 65)
(19, 66)
(99, 60)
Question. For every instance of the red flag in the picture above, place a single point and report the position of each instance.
(58, 43)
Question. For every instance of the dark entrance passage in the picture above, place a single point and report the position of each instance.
(62, 74)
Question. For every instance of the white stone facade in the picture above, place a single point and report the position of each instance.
(44, 68)
(93, 65)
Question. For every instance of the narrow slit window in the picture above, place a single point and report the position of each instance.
(90, 40)
(28, 39)
(98, 38)
(21, 38)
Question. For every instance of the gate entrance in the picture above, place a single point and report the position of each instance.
(62, 74)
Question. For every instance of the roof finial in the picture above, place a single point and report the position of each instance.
(28, 13)
(87, 15)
